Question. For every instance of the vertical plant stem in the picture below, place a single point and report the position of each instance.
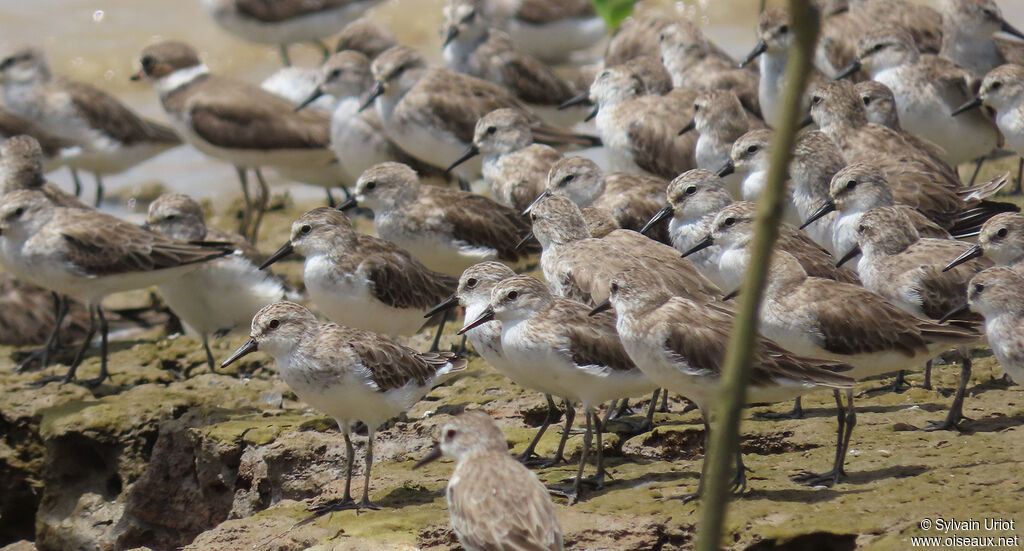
(732, 391)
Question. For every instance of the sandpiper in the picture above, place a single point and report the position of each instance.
(856, 189)
(491, 497)
(816, 159)
(907, 269)
(575, 356)
(297, 84)
(56, 151)
(473, 47)
(578, 266)
(361, 281)
(447, 230)
(350, 374)
(1003, 90)
(732, 229)
(1001, 239)
(719, 119)
(514, 167)
(748, 159)
(967, 35)
(431, 112)
(474, 294)
(938, 214)
(112, 137)
(772, 50)
(695, 61)
(839, 112)
(551, 31)
(995, 294)
(220, 295)
(233, 121)
(630, 199)
(821, 318)
(358, 139)
(87, 255)
(21, 167)
(286, 22)
(694, 198)
(681, 344)
(640, 131)
(927, 89)
(365, 36)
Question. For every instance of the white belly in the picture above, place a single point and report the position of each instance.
(346, 299)
(221, 295)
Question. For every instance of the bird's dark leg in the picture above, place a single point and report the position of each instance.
(283, 49)
(104, 352)
(52, 342)
(77, 181)
(977, 169)
(243, 180)
(209, 354)
(527, 457)
(99, 189)
(365, 503)
(330, 198)
(264, 203)
(79, 356)
(323, 49)
(956, 410)
(846, 418)
(440, 329)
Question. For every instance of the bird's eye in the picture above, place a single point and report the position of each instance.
(305, 229)
(171, 217)
(690, 190)
(273, 324)
(19, 211)
(851, 184)
(752, 149)
(815, 100)
(334, 74)
(569, 178)
(449, 434)
(861, 228)
(605, 74)
(492, 129)
(370, 185)
(978, 287)
(876, 48)
(615, 287)
(470, 283)
(512, 295)
(1002, 232)
(729, 221)
(148, 62)
(533, 216)
(784, 29)
(996, 85)
(7, 62)
(867, 100)
(696, 107)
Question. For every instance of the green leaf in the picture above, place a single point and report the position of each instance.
(613, 11)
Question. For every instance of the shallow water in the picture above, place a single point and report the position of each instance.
(97, 41)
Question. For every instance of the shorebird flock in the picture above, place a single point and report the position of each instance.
(627, 181)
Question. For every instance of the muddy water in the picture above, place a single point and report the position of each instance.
(98, 41)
